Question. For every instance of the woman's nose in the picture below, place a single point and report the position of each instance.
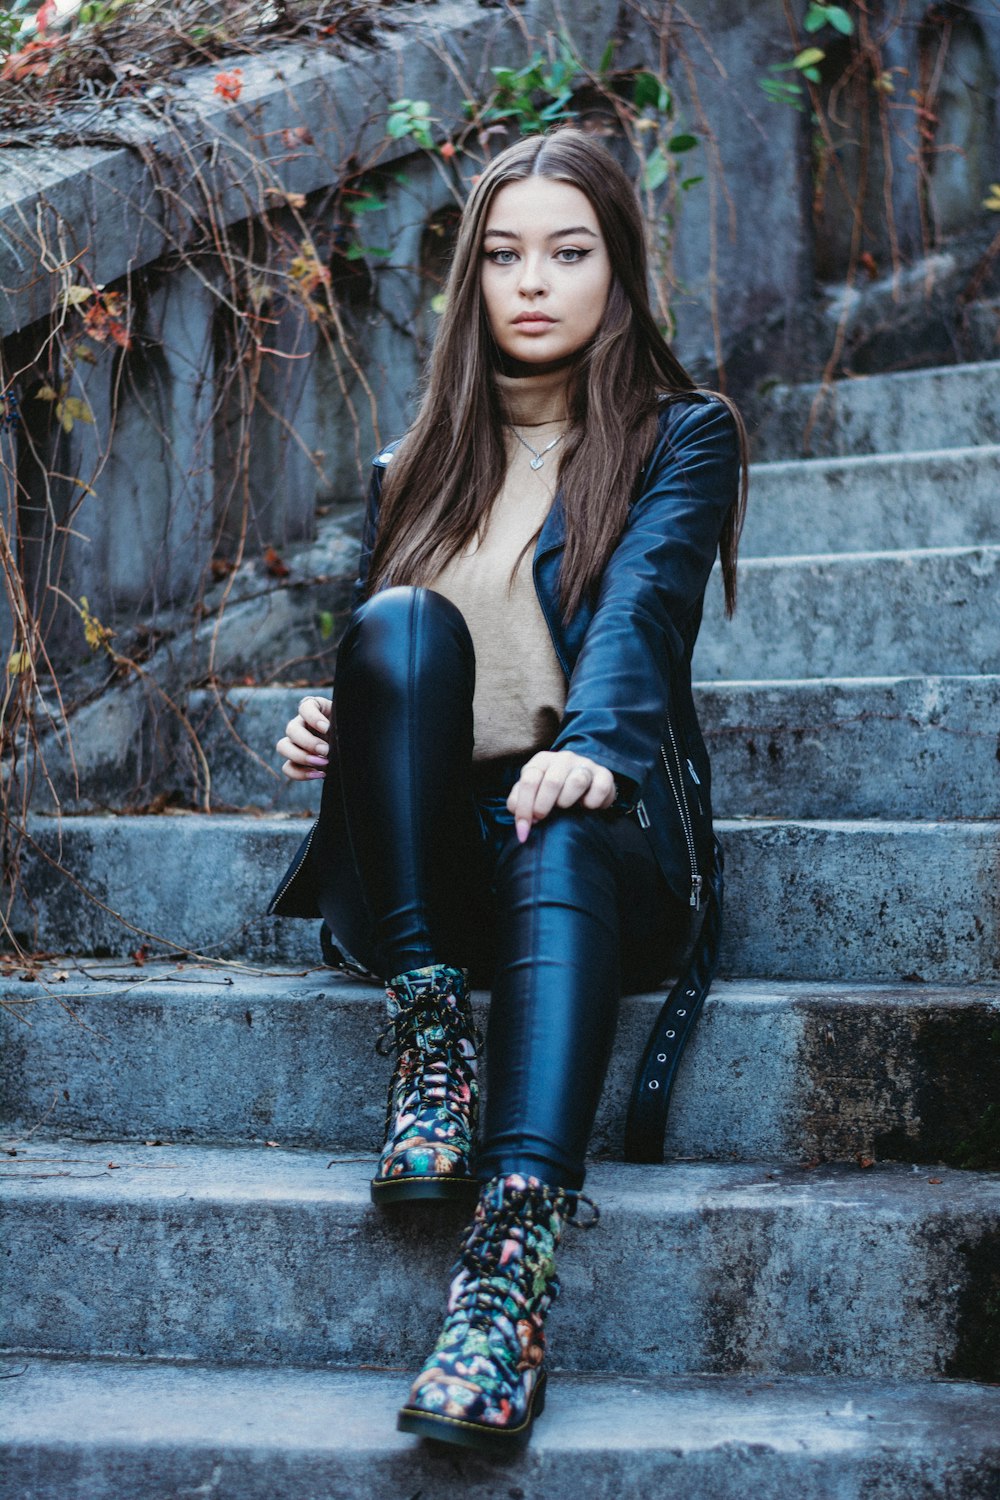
(532, 280)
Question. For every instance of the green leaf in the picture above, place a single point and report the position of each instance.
(420, 109)
(656, 171)
(397, 126)
(607, 57)
(359, 252)
(438, 302)
(839, 19)
(813, 75)
(367, 205)
(815, 18)
(325, 624)
(646, 91)
(782, 91)
(681, 143)
(689, 182)
(809, 57)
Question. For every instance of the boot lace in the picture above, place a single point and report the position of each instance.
(521, 1215)
(429, 1063)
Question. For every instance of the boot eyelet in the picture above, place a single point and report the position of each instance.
(669, 1034)
(654, 1083)
(682, 1012)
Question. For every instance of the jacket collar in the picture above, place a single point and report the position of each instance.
(553, 533)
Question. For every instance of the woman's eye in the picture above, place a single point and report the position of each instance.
(569, 254)
(501, 257)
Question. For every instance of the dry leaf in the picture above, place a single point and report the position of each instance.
(274, 564)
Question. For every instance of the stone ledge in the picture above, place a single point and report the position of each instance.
(271, 1256)
(92, 194)
(786, 1072)
(75, 1430)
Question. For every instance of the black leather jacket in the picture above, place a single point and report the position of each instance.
(627, 656)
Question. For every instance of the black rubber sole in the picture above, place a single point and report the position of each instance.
(414, 1189)
(476, 1435)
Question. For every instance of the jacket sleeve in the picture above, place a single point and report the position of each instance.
(619, 692)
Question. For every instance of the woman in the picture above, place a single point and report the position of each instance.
(519, 790)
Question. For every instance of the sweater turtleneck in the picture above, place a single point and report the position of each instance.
(535, 400)
(520, 690)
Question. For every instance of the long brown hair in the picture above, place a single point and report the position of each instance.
(440, 487)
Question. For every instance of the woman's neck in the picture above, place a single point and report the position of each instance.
(534, 399)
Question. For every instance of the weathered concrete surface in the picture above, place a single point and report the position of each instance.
(945, 498)
(341, 103)
(834, 900)
(863, 614)
(77, 1431)
(783, 1072)
(862, 900)
(272, 1256)
(953, 406)
(908, 747)
(878, 747)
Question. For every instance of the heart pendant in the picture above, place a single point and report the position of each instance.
(536, 463)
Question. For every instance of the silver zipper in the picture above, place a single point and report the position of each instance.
(680, 797)
(298, 867)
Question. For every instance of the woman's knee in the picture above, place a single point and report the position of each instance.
(404, 634)
(569, 855)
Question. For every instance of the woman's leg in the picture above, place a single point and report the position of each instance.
(582, 912)
(581, 907)
(403, 707)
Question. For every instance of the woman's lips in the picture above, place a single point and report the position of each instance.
(534, 322)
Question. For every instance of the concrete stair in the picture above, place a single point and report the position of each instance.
(805, 1298)
(304, 1434)
(776, 1071)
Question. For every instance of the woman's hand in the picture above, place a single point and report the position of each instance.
(305, 743)
(558, 778)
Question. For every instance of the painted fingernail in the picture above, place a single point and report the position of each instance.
(315, 775)
(522, 828)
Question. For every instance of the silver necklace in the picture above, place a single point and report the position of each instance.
(539, 458)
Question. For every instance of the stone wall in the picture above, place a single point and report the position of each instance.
(130, 508)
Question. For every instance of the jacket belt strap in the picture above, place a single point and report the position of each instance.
(646, 1123)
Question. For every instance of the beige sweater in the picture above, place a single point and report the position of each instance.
(520, 689)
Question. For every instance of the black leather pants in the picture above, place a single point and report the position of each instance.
(557, 926)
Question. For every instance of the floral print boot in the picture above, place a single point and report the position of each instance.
(432, 1114)
(484, 1384)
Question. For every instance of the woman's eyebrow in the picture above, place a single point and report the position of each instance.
(557, 234)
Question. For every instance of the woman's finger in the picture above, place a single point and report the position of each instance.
(602, 792)
(315, 713)
(577, 783)
(521, 800)
(298, 732)
(558, 779)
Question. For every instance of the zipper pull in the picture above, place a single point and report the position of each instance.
(694, 774)
(642, 814)
(696, 884)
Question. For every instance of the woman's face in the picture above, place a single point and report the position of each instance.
(545, 270)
